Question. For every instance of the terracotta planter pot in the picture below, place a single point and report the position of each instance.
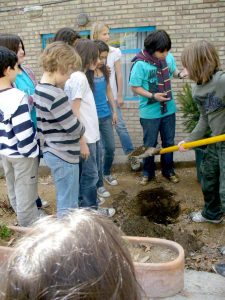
(160, 279)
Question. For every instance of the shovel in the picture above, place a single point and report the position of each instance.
(157, 151)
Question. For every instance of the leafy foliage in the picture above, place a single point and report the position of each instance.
(5, 232)
(188, 107)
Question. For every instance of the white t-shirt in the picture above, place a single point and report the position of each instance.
(113, 56)
(77, 87)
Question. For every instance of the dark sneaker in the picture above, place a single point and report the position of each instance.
(222, 250)
(111, 180)
(198, 218)
(102, 192)
(135, 163)
(100, 200)
(219, 268)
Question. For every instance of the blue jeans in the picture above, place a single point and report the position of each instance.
(123, 134)
(66, 179)
(151, 129)
(89, 177)
(107, 149)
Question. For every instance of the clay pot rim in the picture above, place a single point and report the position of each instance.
(164, 242)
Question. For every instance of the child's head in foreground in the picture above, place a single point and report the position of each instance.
(60, 59)
(81, 256)
(8, 64)
(201, 60)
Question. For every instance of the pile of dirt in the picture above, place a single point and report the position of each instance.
(161, 209)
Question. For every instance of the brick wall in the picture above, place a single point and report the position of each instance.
(184, 20)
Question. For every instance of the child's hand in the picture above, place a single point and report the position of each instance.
(181, 148)
(84, 150)
(183, 74)
(120, 101)
(161, 97)
(114, 118)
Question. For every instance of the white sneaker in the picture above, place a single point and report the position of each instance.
(106, 212)
(110, 180)
(44, 203)
(198, 218)
(100, 200)
(102, 192)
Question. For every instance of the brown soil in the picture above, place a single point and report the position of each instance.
(160, 209)
(151, 253)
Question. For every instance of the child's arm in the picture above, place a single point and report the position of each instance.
(65, 117)
(112, 103)
(24, 131)
(84, 150)
(119, 79)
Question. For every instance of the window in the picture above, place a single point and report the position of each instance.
(129, 40)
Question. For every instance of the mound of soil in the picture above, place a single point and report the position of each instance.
(161, 209)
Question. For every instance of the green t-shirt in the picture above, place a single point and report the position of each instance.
(144, 75)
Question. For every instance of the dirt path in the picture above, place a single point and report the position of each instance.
(160, 209)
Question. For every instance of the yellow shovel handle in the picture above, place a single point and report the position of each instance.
(211, 140)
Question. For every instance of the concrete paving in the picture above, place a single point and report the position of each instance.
(200, 286)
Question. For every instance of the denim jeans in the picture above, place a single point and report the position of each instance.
(151, 129)
(213, 181)
(123, 134)
(66, 179)
(107, 148)
(89, 177)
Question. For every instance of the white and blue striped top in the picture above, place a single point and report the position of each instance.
(17, 133)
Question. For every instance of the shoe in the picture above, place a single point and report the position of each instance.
(102, 192)
(174, 178)
(110, 180)
(100, 200)
(219, 268)
(198, 218)
(106, 212)
(44, 204)
(145, 180)
(135, 164)
(222, 250)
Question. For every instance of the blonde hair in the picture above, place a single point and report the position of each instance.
(59, 56)
(201, 60)
(97, 28)
(81, 256)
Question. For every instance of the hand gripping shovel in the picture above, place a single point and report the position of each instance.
(144, 152)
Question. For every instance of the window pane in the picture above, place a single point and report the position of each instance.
(129, 43)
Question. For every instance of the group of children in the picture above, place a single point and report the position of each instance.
(76, 111)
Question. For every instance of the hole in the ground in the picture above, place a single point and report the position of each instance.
(158, 205)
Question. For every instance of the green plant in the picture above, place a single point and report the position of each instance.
(188, 107)
(5, 232)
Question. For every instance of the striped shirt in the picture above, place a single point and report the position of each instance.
(17, 134)
(58, 129)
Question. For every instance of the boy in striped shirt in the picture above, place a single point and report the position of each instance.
(18, 144)
(58, 129)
